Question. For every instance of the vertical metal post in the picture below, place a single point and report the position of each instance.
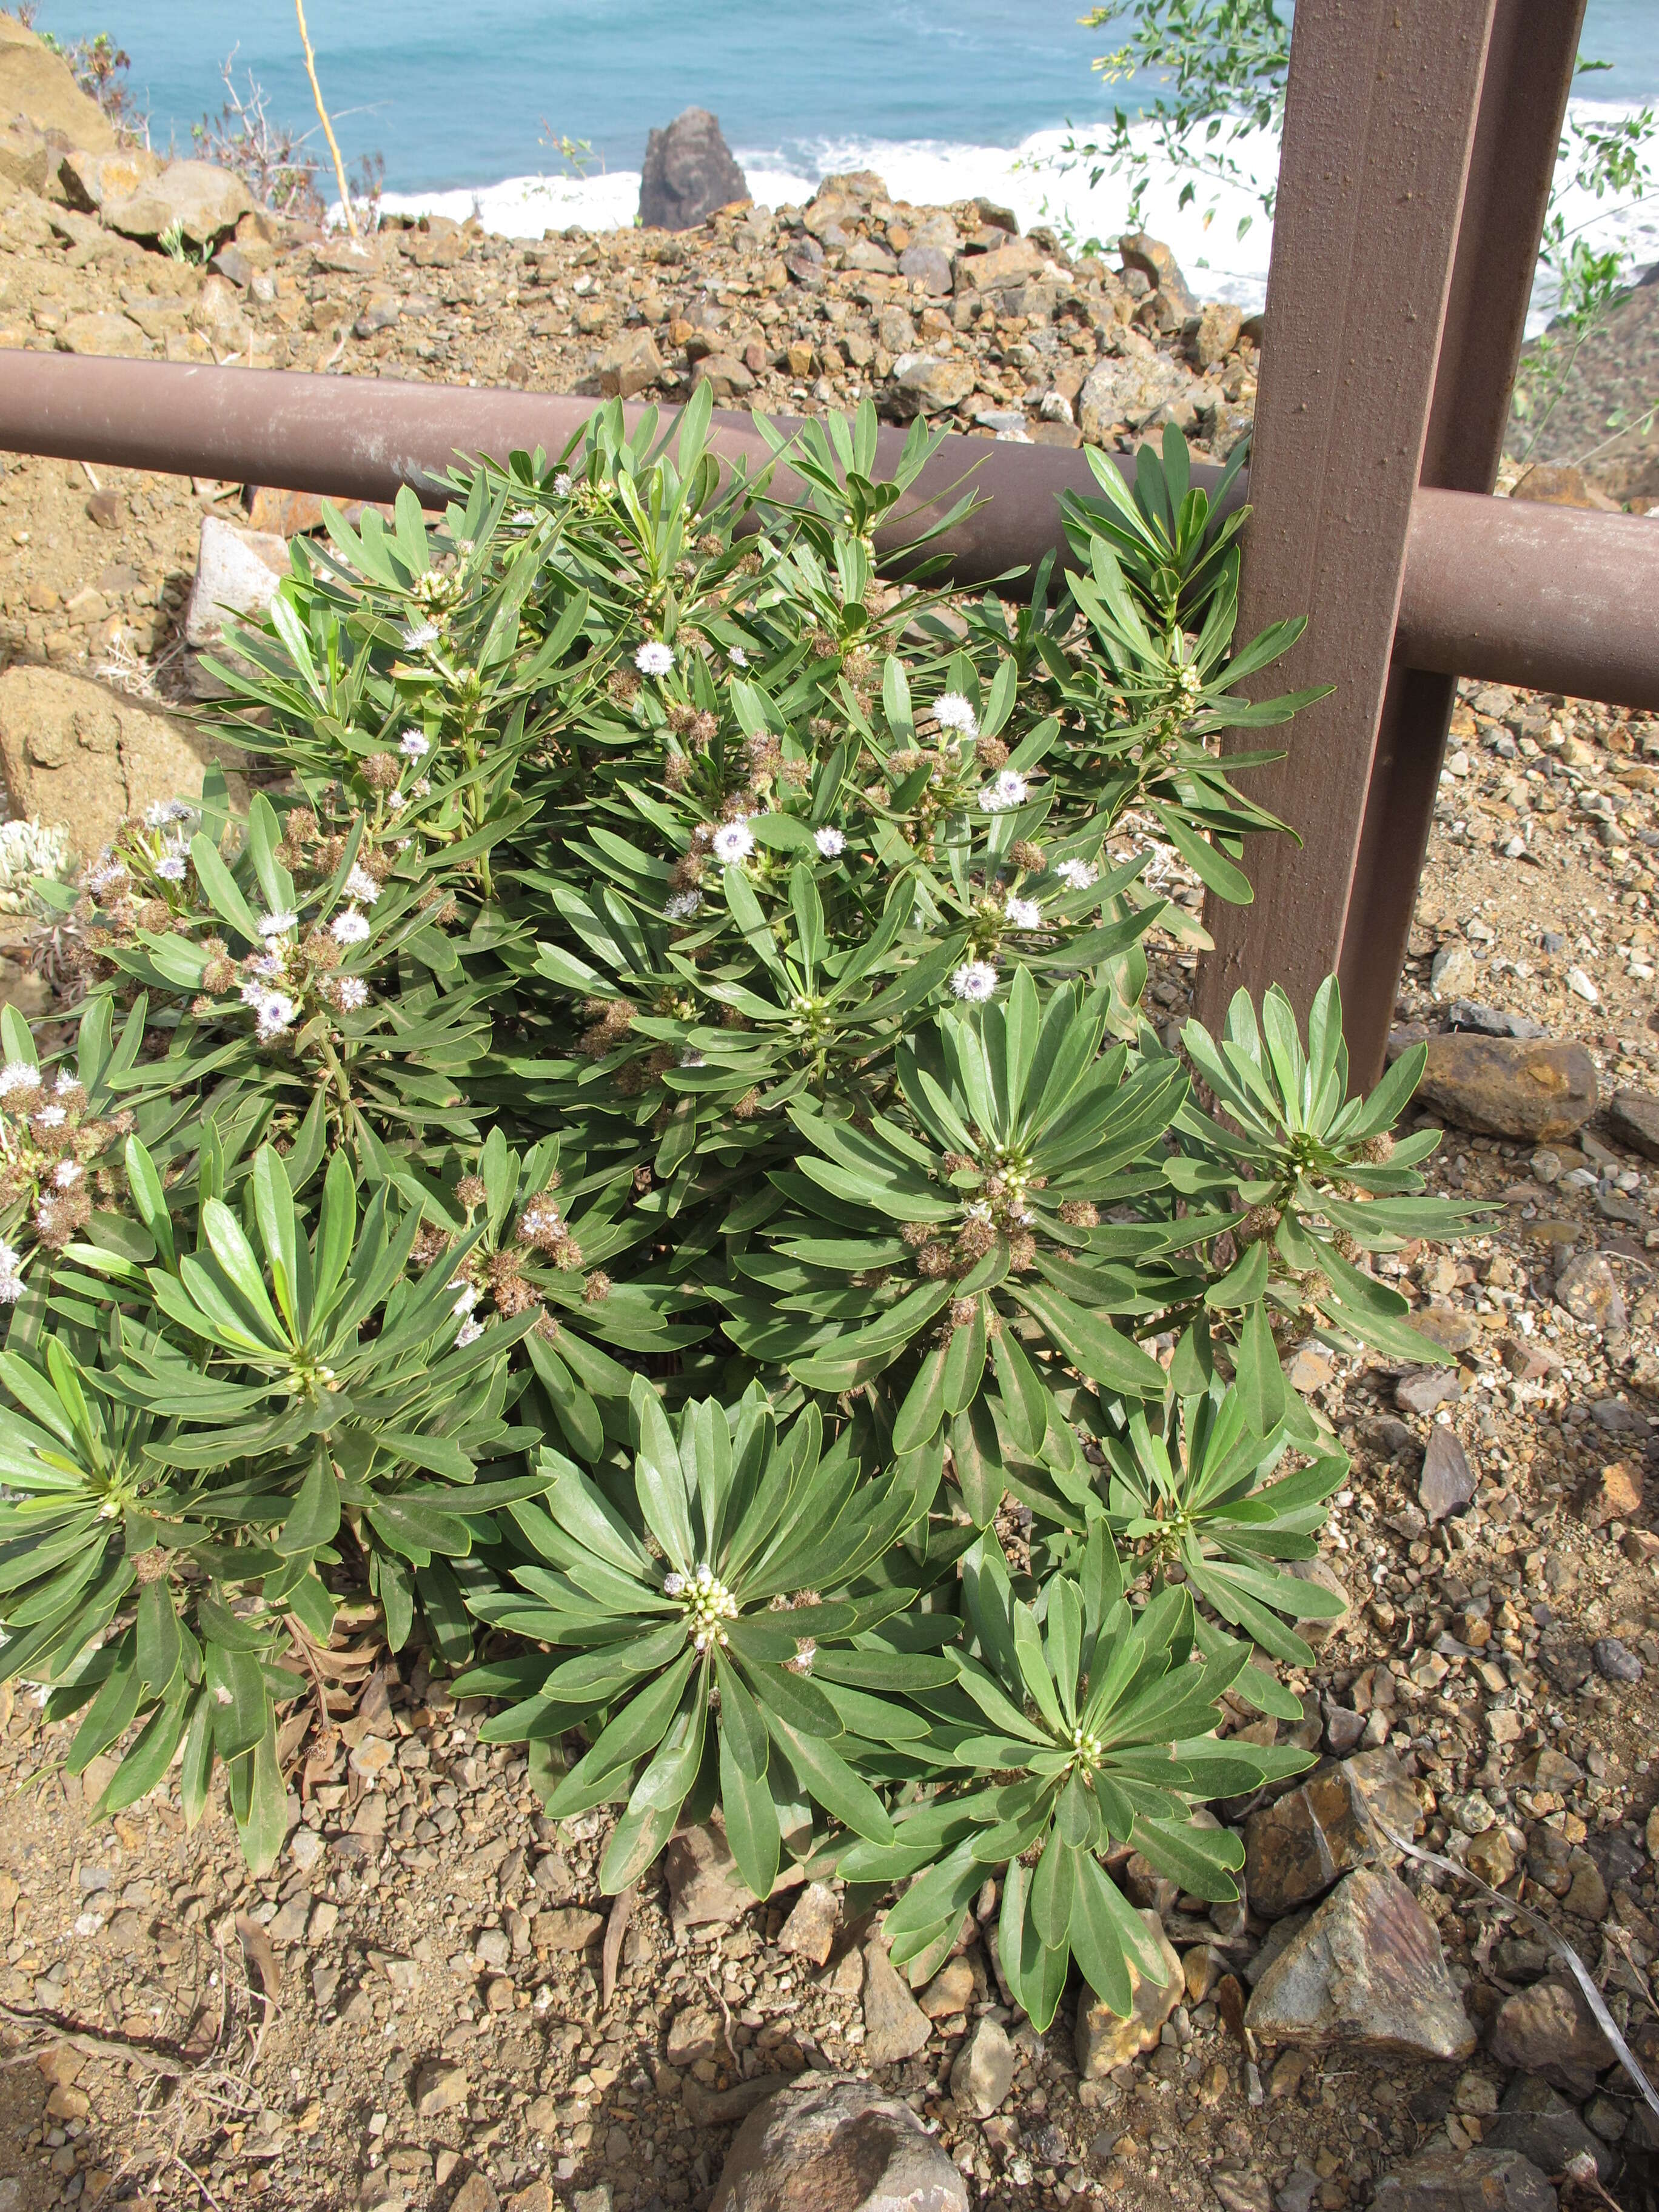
(1529, 67)
(1379, 125)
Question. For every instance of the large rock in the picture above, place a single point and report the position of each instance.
(1560, 483)
(1123, 390)
(983, 2072)
(629, 365)
(729, 376)
(1448, 1482)
(827, 2144)
(704, 1886)
(110, 336)
(1158, 266)
(1478, 2180)
(1537, 2121)
(931, 262)
(26, 158)
(810, 1931)
(36, 82)
(1297, 1846)
(91, 181)
(237, 573)
(1106, 2038)
(75, 753)
(924, 384)
(1633, 1117)
(1549, 2030)
(895, 2026)
(204, 203)
(688, 173)
(1531, 1088)
(1217, 334)
(1586, 1288)
(1367, 1970)
(1001, 268)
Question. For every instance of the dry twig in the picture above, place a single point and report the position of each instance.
(614, 1928)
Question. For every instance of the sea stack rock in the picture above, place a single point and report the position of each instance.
(688, 173)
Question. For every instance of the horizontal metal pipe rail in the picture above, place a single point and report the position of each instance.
(1555, 599)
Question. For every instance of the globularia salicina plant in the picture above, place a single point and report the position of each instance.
(643, 1136)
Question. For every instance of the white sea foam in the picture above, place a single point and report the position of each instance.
(1205, 236)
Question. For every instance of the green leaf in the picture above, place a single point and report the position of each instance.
(660, 1479)
(314, 1519)
(220, 887)
(236, 1683)
(1091, 1343)
(231, 1249)
(1260, 1379)
(264, 1825)
(751, 1819)
(1211, 867)
(965, 1364)
(976, 1457)
(923, 1408)
(833, 1782)
(196, 1768)
(159, 1646)
(149, 1756)
(1025, 1400)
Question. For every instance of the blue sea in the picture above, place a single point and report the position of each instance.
(465, 97)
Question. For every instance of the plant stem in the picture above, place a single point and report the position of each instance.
(322, 117)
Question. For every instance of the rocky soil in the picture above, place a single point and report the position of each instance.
(430, 2004)
(1605, 414)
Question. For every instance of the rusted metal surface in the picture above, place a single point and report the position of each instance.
(1380, 118)
(1582, 586)
(362, 438)
(1560, 599)
(1517, 593)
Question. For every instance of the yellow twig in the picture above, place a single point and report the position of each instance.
(322, 115)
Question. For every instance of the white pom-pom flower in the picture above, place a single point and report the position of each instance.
(975, 980)
(1077, 875)
(733, 840)
(1008, 789)
(831, 843)
(954, 712)
(655, 658)
(1024, 914)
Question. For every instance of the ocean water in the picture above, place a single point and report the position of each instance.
(945, 98)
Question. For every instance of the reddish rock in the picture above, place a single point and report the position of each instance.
(1615, 1495)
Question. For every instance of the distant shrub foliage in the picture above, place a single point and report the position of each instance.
(639, 1164)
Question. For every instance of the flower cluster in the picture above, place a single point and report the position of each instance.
(50, 1147)
(707, 1602)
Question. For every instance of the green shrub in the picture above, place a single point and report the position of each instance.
(645, 1137)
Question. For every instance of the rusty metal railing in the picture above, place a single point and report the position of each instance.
(1558, 598)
